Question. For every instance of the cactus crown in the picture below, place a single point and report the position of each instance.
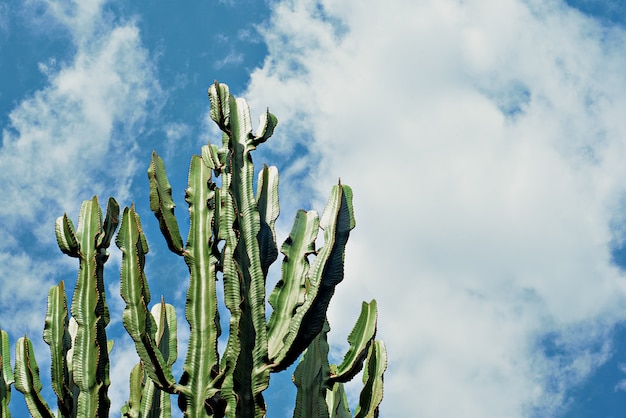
(231, 232)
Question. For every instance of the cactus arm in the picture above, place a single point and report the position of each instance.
(165, 317)
(131, 407)
(337, 402)
(91, 360)
(267, 124)
(27, 379)
(289, 293)
(311, 378)
(232, 300)
(202, 257)
(360, 340)
(162, 204)
(109, 226)
(6, 374)
(56, 335)
(372, 392)
(66, 236)
(146, 400)
(320, 385)
(267, 203)
(326, 272)
(211, 156)
(156, 403)
(137, 320)
(219, 96)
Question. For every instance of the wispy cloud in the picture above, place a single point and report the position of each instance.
(233, 58)
(4, 17)
(485, 145)
(73, 138)
(53, 150)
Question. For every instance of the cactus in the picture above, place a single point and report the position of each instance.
(146, 399)
(78, 345)
(244, 221)
(83, 363)
(6, 374)
(320, 385)
(232, 237)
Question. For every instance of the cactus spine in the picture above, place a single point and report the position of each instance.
(232, 237)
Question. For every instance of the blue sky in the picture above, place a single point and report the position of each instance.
(484, 140)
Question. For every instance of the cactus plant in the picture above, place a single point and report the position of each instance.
(6, 374)
(320, 384)
(78, 345)
(244, 221)
(231, 237)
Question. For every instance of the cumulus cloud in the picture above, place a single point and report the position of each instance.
(53, 150)
(484, 141)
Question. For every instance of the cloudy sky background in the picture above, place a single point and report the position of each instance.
(484, 140)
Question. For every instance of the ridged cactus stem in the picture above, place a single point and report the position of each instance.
(201, 368)
(6, 374)
(27, 379)
(90, 357)
(231, 235)
(137, 319)
(202, 257)
(320, 384)
(244, 278)
(232, 231)
(146, 399)
(301, 297)
(57, 335)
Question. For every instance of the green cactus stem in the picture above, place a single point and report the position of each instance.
(232, 232)
(27, 379)
(57, 335)
(231, 237)
(146, 399)
(320, 384)
(6, 374)
(80, 369)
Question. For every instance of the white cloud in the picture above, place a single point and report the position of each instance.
(484, 141)
(75, 137)
(4, 17)
(175, 133)
(55, 150)
(80, 18)
(233, 58)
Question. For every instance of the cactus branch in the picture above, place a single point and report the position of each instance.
(6, 374)
(27, 379)
(134, 290)
(56, 335)
(162, 204)
(372, 392)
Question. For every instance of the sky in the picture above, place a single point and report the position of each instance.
(484, 141)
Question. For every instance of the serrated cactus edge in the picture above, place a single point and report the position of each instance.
(232, 237)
